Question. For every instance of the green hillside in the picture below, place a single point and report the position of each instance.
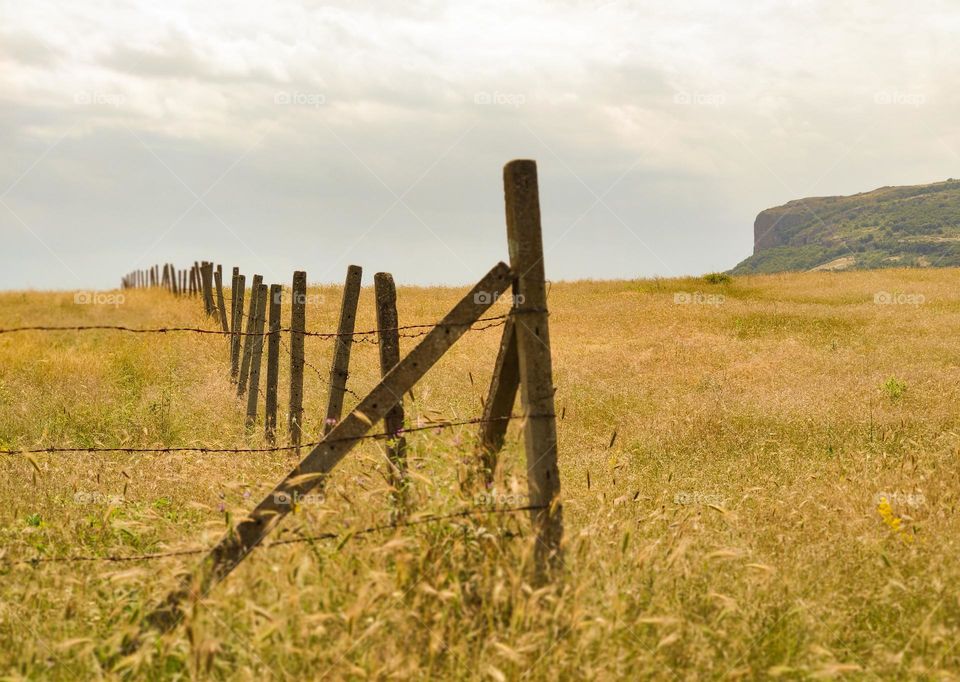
(915, 226)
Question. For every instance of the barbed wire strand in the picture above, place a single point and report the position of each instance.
(474, 511)
(497, 321)
(443, 424)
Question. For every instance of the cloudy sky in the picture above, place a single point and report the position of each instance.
(284, 135)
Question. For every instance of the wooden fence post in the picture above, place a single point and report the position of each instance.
(313, 469)
(499, 403)
(206, 277)
(239, 287)
(248, 338)
(233, 301)
(273, 365)
(253, 390)
(341, 351)
(298, 325)
(524, 236)
(218, 280)
(389, 341)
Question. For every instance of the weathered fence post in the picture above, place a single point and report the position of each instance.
(498, 406)
(341, 351)
(525, 240)
(273, 365)
(298, 325)
(206, 275)
(248, 338)
(233, 302)
(218, 279)
(253, 391)
(389, 341)
(239, 286)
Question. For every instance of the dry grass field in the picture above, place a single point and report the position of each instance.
(734, 528)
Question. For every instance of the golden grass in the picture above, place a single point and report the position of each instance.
(733, 530)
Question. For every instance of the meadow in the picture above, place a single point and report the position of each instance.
(759, 480)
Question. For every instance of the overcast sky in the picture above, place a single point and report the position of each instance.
(303, 135)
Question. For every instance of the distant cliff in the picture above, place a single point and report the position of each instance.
(915, 226)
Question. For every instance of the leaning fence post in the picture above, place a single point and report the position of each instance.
(389, 341)
(218, 280)
(239, 285)
(248, 338)
(253, 391)
(273, 365)
(498, 407)
(525, 240)
(341, 350)
(298, 325)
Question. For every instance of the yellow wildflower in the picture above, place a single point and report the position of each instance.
(894, 522)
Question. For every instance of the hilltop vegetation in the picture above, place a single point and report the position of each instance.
(916, 226)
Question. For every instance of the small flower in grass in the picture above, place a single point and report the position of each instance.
(330, 421)
(246, 494)
(894, 522)
(221, 507)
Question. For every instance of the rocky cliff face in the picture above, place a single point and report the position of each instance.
(774, 226)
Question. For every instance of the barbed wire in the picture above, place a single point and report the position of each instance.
(320, 375)
(443, 424)
(497, 321)
(431, 518)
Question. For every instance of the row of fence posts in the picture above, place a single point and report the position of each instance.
(263, 321)
(523, 365)
(187, 282)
